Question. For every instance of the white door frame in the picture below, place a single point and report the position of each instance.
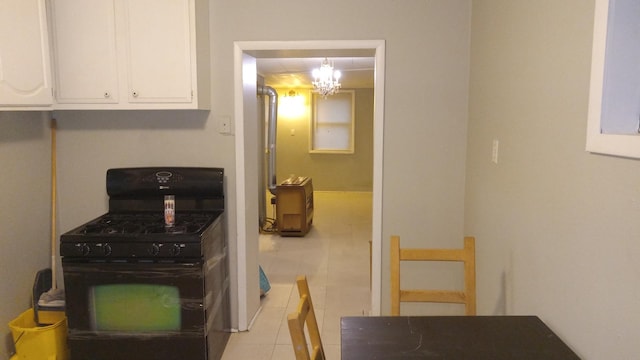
(242, 47)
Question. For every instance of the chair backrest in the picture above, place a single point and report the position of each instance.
(465, 255)
(305, 314)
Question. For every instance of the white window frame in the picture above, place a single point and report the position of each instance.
(316, 112)
(625, 145)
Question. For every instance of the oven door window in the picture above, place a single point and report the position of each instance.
(135, 307)
(134, 298)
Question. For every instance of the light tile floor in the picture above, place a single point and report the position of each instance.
(334, 256)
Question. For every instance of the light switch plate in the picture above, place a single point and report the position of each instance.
(494, 151)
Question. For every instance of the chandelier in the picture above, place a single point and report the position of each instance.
(326, 81)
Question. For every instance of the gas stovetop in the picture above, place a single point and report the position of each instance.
(153, 213)
(116, 225)
(114, 236)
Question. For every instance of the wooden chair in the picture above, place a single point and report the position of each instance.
(465, 255)
(305, 314)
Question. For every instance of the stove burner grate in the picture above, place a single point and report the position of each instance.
(124, 224)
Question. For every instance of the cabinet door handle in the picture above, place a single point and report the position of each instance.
(135, 94)
(107, 95)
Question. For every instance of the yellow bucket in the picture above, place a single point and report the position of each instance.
(35, 342)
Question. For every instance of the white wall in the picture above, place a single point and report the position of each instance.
(25, 210)
(426, 88)
(427, 62)
(557, 228)
(425, 112)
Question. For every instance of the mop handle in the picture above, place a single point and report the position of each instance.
(53, 204)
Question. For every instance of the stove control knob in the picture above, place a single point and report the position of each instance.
(155, 249)
(83, 248)
(175, 250)
(106, 249)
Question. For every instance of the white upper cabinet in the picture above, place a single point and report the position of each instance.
(131, 54)
(158, 51)
(84, 43)
(25, 73)
(614, 100)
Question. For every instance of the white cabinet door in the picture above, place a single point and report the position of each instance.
(131, 54)
(25, 72)
(84, 40)
(158, 50)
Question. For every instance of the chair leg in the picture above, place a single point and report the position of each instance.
(395, 275)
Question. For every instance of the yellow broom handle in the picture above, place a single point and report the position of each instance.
(53, 204)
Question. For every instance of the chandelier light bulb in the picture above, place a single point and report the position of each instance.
(326, 81)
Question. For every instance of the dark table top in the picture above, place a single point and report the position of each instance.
(451, 337)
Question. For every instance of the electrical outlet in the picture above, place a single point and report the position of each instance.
(224, 125)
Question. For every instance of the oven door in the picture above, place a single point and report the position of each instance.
(135, 310)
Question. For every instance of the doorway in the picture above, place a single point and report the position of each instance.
(246, 262)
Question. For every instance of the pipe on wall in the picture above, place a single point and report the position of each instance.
(271, 134)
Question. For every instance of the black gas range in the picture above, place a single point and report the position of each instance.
(136, 226)
(149, 279)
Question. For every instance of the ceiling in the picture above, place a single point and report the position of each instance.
(295, 72)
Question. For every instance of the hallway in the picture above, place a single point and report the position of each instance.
(334, 256)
